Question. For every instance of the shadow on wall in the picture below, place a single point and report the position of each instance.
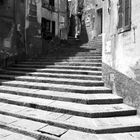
(11, 43)
(122, 85)
(84, 34)
(64, 52)
(78, 29)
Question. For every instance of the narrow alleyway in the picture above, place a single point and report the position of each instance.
(63, 97)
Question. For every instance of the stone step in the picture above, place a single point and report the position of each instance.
(52, 80)
(51, 70)
(80, 51)
(77, 52)
(110, 125)
(57, 87)
(69, 54)
(43, 61)
(22, 129)
(93, 53)
(6, 134)
(76, 57)
(91, 111)
(90, 125)
(75, 135)
(60, 63)
(67, 58)
(64, 66)
(53, 75)
(63, 96)
(56, 66)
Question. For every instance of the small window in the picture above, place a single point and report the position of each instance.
(51, 3)
(53, 28)
(46, 24)
(124, 14)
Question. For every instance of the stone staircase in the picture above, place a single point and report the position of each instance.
(63, 97)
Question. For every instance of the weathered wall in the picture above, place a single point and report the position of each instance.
(121, 53)
(123, 86)
(33, 28)
(63, 19)
(90, 20)
(121, 50)
(7, 9)
(11, 34)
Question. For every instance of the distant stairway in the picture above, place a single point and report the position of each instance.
(63, 97)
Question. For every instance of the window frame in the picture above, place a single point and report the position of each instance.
(124, 27)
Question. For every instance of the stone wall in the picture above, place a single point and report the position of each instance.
(122, 85)
(33, 28)
(11, 31)
(20, 32)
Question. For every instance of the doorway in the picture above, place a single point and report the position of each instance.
(99, 21)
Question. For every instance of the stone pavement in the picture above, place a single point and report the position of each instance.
(63, 97)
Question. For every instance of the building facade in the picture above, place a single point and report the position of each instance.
(75, 17)
(33, 39)
(12, 23)
(23, 24)
(118, 22)
(55, 19)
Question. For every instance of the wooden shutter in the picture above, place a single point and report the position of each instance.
(124, 13)
(127, 13)
(120, 14)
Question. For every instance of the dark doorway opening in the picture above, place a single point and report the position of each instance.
(100, 21)
(53, 28)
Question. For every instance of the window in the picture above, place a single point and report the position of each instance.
(51, 3)
(1, 2)
(48, 29)
(45, 29)
(124, 13)
(53, 28)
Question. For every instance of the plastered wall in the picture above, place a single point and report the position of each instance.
(121, 51)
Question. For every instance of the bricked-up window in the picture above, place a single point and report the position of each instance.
(124, 13)
(51, 3)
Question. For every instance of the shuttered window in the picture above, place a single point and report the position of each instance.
(120, 10)
(124, 14)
